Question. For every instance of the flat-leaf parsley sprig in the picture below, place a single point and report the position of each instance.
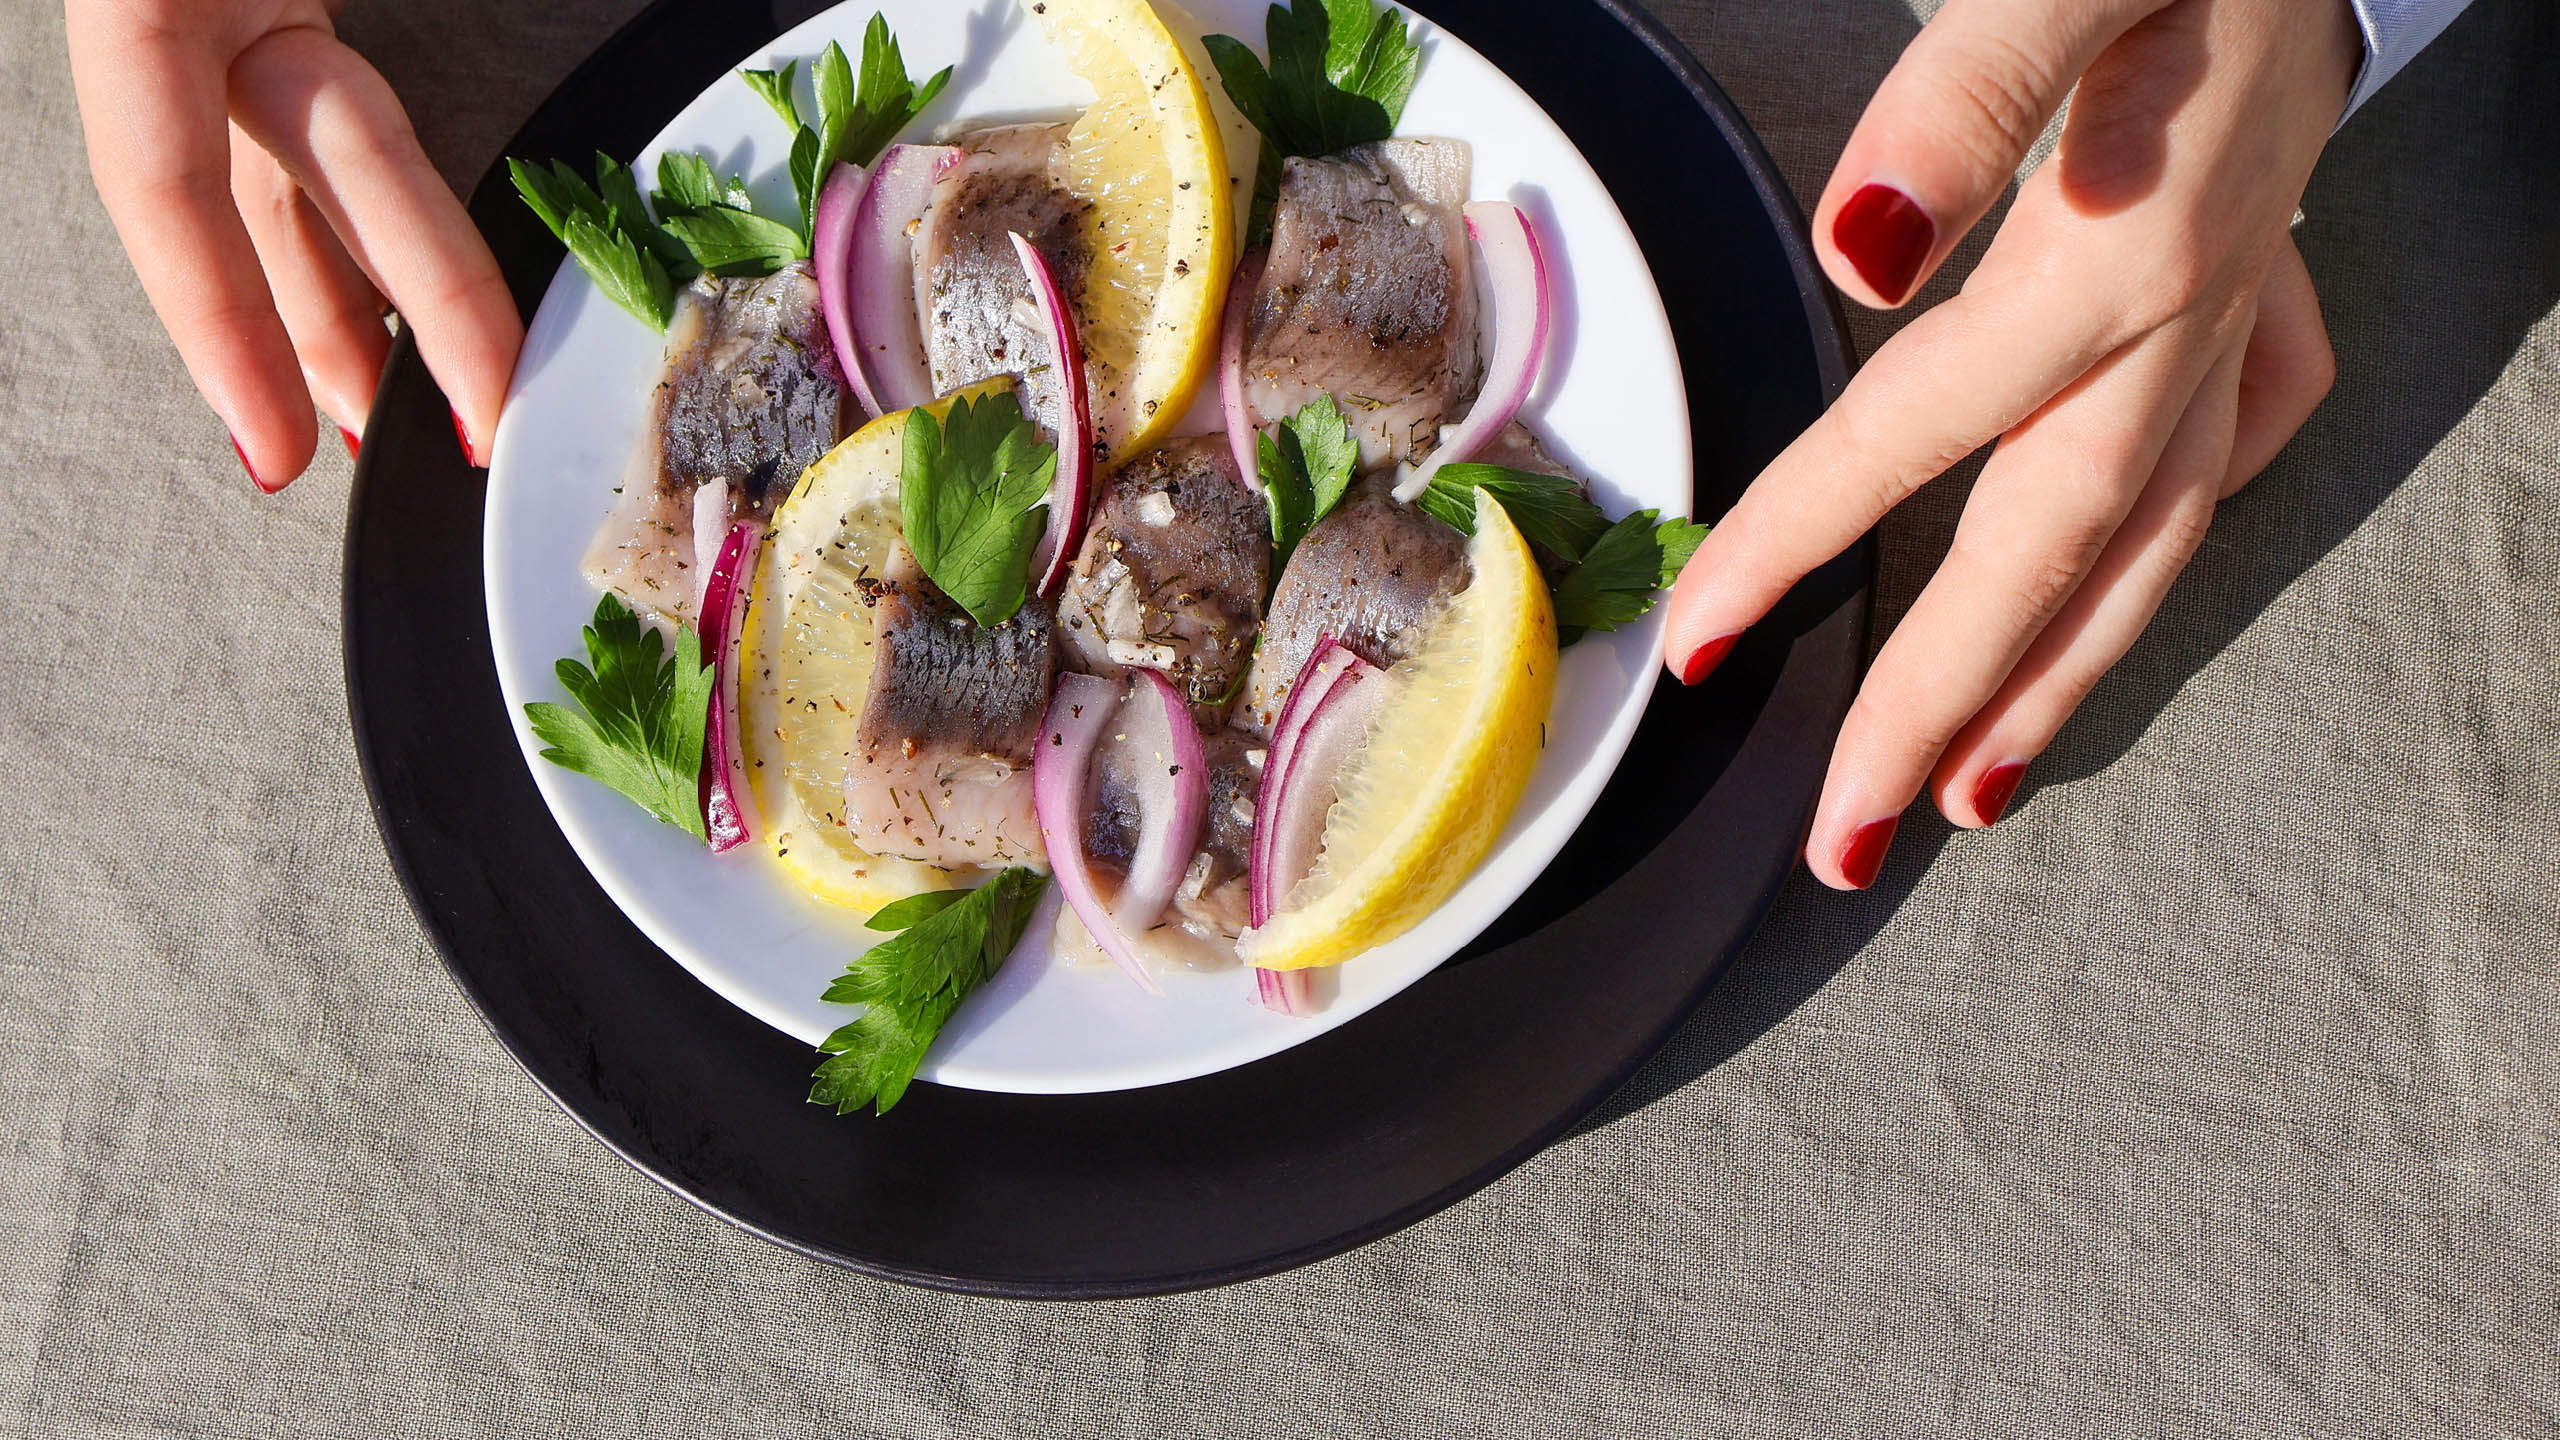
(1306, 465)
(1339, 75)
(1603, 575)
(639, 717)
(971, 492)
(858, 115)
(948, 942)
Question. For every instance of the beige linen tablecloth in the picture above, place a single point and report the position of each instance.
(2213, 1092)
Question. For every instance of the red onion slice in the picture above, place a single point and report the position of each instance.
(1313, 678)
(1070, 487)
(1172, 769)
(831, 255)
(1241, 430)
(1080, 711)
(1516, 264)
(1286, 992)
(710, 530)
(728, 806)
(884, 296)
(1328, 734)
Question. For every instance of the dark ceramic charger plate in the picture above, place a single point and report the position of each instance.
(1274, 1164)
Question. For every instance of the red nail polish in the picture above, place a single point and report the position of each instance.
(1991, 793)
(462, 433)
(1703, 660)
(1863, 856)
(353, 444)
(263, 487)
(1886, 239)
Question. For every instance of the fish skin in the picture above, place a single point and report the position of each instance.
(942, 765)
(1177, 556)
(1369, 296)
(1369, 575)
(749, 394)
(973, 296)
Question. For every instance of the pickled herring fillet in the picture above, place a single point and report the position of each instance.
(942, 761)
(1369, 296)
(749, 396)
(1368, 575)
(971, 293)
(1171, 575)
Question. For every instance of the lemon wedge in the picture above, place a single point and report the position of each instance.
(805, 659)
(1423, 799)
(1149, 156)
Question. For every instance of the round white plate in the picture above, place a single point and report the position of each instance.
(1611, 405)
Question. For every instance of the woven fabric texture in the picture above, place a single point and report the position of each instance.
(2215, 1092)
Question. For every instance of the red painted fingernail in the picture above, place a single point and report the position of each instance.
(353, 444)
(462, 433)
(1991, 793)
(1863, 856)
(263, 487)
(1886, 239)
(1703, 660)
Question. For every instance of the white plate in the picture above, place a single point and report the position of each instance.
(1611, 404)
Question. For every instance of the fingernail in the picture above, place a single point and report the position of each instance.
(1703, 660)
(353, 444)
(1863, 856)
(1886, 239)
(462, 433)
(263, 486)
(1991, 793)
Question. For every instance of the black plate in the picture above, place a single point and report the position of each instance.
(1293, 1158)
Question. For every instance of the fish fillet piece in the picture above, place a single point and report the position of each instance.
(1369, 296)
(979, 321)
(749, 396)
(1369, 575)
(942, 761)
(1171, 575)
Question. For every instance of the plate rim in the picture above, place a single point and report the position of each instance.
(1834, 359)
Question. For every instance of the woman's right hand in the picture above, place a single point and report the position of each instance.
(271, 194)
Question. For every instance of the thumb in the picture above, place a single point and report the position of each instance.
(1947, 130)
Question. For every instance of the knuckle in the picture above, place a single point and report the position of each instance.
(1997, 94)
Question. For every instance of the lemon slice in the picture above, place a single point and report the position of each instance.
(805, 658)
(1423, 799)
(1149, 156)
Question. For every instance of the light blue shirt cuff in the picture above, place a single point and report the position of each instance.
(2394, 32)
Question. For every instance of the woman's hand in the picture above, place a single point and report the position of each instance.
(271, 194)
(2140, 340)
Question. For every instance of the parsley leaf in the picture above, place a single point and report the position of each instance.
(1605, 574)
(639, 718)
(724, 241)
(970, 492)
(608, 234)
(1340, 73)
(1552, 512)
(1305, 468)
(858, 115)
(948, 943)
(1621, 572)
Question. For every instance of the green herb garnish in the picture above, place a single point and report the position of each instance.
(857, 115)
(1306, 466)
(632, 261)
(970, 492)
(639, 718)
(1339, 75)
(1603, 575)
(947, 943)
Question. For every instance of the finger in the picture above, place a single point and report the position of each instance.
(1982, 767)
(1945, 133)
(328, 306)
(2287, 372)
(1960, 375)
(2039, 517)
(340, 133)
(152, 105)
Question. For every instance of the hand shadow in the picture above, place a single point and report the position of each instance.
(2429, 231)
